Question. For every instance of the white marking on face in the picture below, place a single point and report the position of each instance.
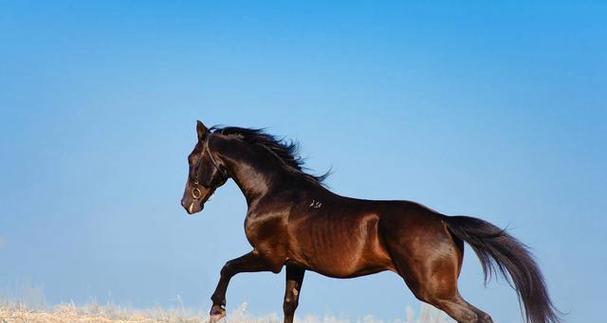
(191, 208)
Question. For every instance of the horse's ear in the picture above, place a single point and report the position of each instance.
(201, 130)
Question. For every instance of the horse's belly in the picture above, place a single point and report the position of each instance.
(341, 249)
(345, 264)
(348, 272)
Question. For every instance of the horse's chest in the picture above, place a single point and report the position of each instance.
(262, 230)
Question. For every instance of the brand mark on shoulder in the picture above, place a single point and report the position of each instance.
(315, 204)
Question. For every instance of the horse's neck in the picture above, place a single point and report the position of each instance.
(253, 172)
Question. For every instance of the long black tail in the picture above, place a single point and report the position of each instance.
(497, 250)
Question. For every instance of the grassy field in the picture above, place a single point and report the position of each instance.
(93, 313)
(24, 302)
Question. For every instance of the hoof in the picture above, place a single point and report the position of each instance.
(217, 313)
(216, 318)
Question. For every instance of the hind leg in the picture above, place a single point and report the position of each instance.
(460, 310)
(435, 282)
(429, 260)
(437, 285)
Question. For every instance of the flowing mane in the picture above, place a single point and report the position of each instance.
(285, 150)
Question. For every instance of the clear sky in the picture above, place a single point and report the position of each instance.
(492, 110)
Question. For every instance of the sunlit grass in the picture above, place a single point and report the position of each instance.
(17, 312)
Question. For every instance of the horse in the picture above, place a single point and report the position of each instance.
(294, 221)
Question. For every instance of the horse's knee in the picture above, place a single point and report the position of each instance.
(226, 270)
(291, 301)
(289, 305)
(484, 317)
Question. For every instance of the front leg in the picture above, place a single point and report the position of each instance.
(295, 276)
(250, 262)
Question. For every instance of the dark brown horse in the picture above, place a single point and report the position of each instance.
(294, 221)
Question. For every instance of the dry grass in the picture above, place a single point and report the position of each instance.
(25, 303)
(19, 313)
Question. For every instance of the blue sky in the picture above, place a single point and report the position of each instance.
(492, 110)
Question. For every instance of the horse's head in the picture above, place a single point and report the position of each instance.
(206, 173)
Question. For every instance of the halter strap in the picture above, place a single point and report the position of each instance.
(215, 164)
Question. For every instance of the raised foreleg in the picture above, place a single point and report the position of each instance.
(250, 262)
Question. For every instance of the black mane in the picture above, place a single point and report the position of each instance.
(285, 150)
